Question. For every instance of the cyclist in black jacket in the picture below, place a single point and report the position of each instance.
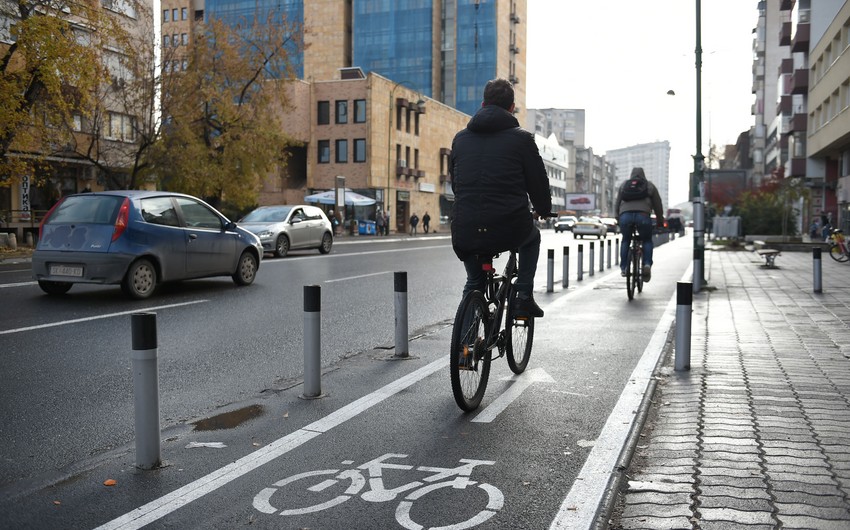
(496, 167)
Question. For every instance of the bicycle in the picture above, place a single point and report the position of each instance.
(478, 331)
(838, 246)
(634, 267)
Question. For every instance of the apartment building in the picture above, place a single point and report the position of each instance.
(653, 157)
(566, 124)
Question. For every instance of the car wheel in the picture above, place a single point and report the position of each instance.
(327, 243)
(247, 269)
(140, 280)
(54, 287)
(281, 246)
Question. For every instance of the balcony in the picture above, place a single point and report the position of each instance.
(798, 167)
(800, 42)
(785, 34)
(787, 66)
(784, 106)
(786, 5)
(800, 82)
(799, 123)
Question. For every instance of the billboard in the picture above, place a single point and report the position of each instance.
(581, 201)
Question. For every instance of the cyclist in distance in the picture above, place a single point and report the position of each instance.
(496, 167)
(636, 200)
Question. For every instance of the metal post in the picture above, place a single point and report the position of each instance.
(617, 252)
(684, 299)
(609, 253)
(699, 165)
(146, 390)
(592, 260)
(402, 348)
(601, 256)
(697, 277)
(312, 341)
(565, 281)
(550, 270)
(816, 266)
(580, 262)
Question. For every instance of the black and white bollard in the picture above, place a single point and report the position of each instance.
(591, 261)
(684, 299)
(402, 348)
(601, 256)
(580, 263)
(617, 251)
(565, 281)
(146, 390)
(817, 276)
(312, 341)
(550, 270)
(698, 270)
(609, 253)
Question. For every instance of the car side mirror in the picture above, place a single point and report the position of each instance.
(294, 220)
(230, 225)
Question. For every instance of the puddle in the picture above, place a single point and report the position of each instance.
(229, 420)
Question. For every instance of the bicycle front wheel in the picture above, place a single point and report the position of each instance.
(631, 277)
(639, 269)
(469, 361)
(519, 335)
(836, 254)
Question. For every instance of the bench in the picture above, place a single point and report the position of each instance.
(769, 254)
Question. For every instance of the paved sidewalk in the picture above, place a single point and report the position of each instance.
(757, 433)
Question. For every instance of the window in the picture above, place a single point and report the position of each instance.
(184, 39)
(416, 131)
(342, 151)
(174, 14)
(407, 124)
(324, 151)
(159, 211)
(342, 111)
(197, 215)
(175, 40)
(184, 13)
(360, 150)
(166, 41)
(398, 110)
(121, 127)
(165, 15)
(125, 7)
(324, 117)
(359, 111)
(77, 122)
(416, 158)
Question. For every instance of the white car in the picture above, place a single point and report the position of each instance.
(283, 228)
(565, 223)
(590, 226)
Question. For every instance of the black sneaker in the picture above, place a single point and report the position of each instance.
(525, 306)
(647, 273)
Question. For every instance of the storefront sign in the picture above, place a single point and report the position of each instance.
(25, 198)
(427, 187)
(403, 196)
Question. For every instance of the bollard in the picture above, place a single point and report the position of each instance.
(580, 262)
(617, 251)
(684, 299)
(13, 241)
(312, 341)
(28, 239)
(816, 270)
(697, 275)
(565, 281)
(609, 253)
(601, 256)
(402, 348)
(591, 261)
(146, 390)
(550, 270)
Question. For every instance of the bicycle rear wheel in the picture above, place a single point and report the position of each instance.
(519, 335)
(639, 268)
(469, 362)
(631, 278)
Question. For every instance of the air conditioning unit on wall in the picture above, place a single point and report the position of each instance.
(402, 162)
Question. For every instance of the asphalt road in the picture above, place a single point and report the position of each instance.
(67, 399)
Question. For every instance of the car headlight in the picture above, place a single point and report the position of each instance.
(264, 234)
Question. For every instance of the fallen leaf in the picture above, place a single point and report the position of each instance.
(110, 482)
(57, 503)
(286, 414)
(255, 444)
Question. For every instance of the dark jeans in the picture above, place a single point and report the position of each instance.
(644, 227)
(528, 253)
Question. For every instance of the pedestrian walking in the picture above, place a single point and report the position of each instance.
(387, 221)
(379, 223)
(414, 222)
(426, 222)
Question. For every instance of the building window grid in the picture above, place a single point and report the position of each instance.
(341, 111)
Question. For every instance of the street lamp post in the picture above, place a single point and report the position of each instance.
(699, 166)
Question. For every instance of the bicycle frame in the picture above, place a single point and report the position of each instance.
(497, 290)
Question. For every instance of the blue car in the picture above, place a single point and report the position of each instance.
(139, 239)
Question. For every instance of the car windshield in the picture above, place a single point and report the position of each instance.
(587, 220)
(274, 214)
(93, 209)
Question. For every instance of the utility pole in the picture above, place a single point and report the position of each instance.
(699, 167)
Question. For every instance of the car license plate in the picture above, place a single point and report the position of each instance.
(65, 270)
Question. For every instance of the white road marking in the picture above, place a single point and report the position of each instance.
(98, 317)
(166, 504)
(358, 277)
(19, 284)
(286, 260)
(521, 382)
(578, 509)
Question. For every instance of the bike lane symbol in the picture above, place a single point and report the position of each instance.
(457, 478)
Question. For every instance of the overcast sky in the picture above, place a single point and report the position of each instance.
(618, 58)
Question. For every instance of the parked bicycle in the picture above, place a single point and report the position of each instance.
(634, 268)
(838, 246)
(478, 334)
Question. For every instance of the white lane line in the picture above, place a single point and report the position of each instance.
(286, 260)
(166, 504)
(520, 383)
(578, 510)
(19, 284)
(358, 277)
(98, 317)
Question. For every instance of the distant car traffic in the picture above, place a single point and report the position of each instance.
(611, 224)
(139, 239)
(565, 223)
(589, 226)
(283, 228)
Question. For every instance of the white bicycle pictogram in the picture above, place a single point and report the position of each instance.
(456, 477)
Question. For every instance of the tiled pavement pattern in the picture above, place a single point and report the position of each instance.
(757, 434)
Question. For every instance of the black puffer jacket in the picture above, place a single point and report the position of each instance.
(495, 168)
